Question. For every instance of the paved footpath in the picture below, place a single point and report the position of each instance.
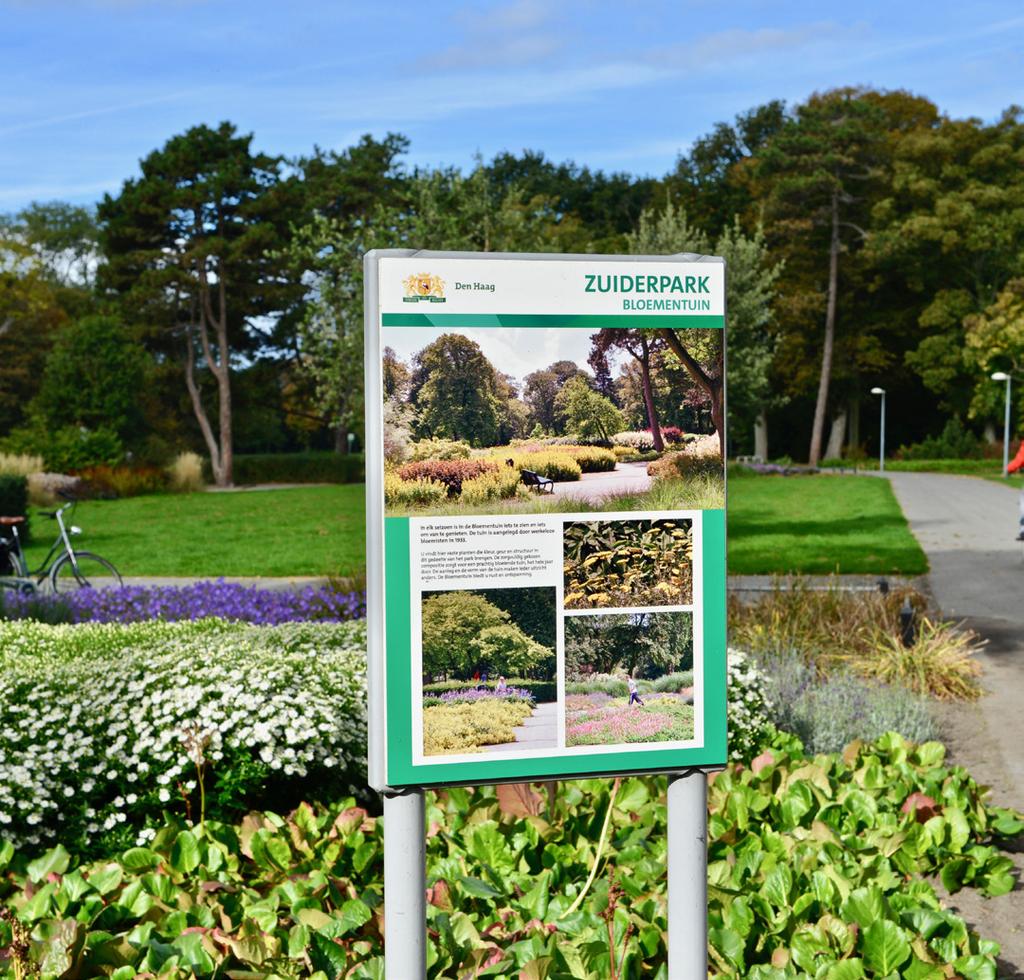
(539, 731)
(966, 526)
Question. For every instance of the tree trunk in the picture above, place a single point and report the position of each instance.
(836, 435)
(853, 434)
(227, 449)
(652, 412)
(341, 440)
(713, 386)
(200, 411)
(761, 436)
(814, 456)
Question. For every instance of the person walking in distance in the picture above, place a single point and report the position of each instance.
(634, 694)
(1014, 467)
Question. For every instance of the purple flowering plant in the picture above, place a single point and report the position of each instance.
(198, 600)
(474, 695)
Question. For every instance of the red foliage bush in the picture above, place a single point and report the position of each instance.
(670, 433)
(450, 472)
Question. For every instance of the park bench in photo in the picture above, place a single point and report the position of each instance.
(538, 482)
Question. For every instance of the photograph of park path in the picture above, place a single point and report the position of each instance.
(629, 678)
(616, 423)
(489, 669)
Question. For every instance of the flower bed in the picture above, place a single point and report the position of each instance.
(92, 721)
(465, 727)
(597, 719)
(226, 600)
(475, 695)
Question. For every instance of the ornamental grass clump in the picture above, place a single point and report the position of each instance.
(186, 473)
(501, 484)
(90, 716)
(420, 492)
(860, 632)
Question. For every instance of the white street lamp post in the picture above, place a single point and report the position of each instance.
(881, 448)
(1003, 376)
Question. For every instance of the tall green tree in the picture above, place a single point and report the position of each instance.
(994, 341)
(711, 182)
(587, 414)
(643, 346)
(815, 172)
(93, 378)
(751, 283)
(193, 246)
(670, 233)
(451, 624)
(541, 388)
(949, 236)
(456, 391)
(30, 316)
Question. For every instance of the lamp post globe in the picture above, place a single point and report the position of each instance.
(1003, 376)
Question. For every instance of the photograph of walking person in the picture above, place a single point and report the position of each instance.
(489, 671)
(629, 678)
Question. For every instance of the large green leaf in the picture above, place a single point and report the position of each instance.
(54, 861)
(184, 856)
(885, 947)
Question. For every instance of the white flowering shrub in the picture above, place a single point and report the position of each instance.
(750, 726)
(93, 719)
(641, 442)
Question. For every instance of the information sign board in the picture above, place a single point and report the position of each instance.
(546, 581)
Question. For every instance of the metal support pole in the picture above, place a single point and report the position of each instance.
(881, 451)
(1006, 432)
(687, 876)
(405, 905)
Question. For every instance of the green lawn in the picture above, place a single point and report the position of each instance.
(818, 525)
(811, 524)
(300, 531)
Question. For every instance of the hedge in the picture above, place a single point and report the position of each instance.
(309, 467)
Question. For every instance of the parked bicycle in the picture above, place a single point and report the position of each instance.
(66, 568)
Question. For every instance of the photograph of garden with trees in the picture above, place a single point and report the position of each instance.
(628, 678)
(489, 670)
(634, 423)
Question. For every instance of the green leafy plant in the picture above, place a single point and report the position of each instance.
(627, 563)
(857, 631)
(817, 866)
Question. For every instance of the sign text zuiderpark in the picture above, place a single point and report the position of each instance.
(546, 586)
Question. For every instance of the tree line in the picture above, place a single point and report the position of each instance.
(214, 302)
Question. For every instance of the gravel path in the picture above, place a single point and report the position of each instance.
(966, 526)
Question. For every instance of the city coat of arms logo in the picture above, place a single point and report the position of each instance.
(423, 287)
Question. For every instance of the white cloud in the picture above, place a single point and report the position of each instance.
(509, 34)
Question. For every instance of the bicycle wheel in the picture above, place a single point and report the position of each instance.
(92, 572)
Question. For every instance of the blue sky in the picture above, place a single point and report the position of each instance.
(90, 86)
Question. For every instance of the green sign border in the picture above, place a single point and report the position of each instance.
(548, 321)
(400, 768)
